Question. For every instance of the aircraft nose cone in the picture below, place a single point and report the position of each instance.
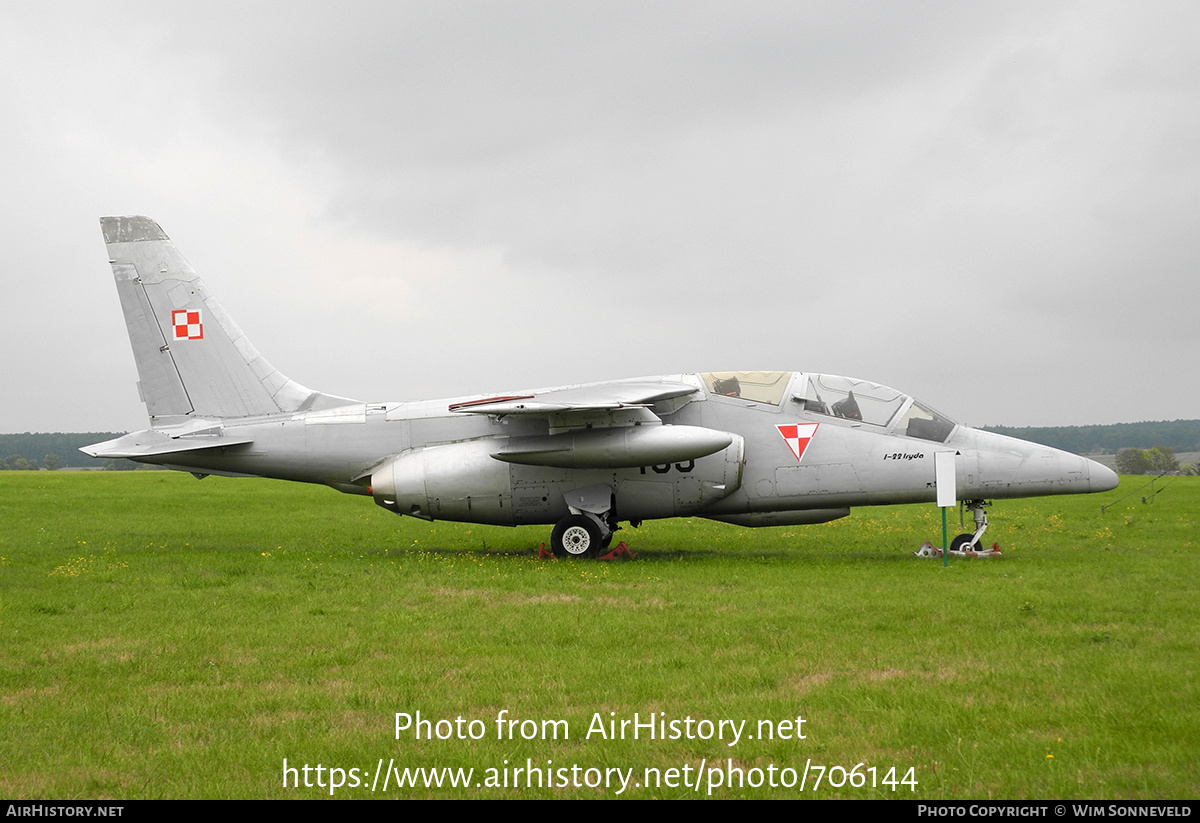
(1016, 468)
(1101, 478)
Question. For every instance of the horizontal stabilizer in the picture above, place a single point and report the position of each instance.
(154, 442)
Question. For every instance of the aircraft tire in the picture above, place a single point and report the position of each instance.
(575, 536)
(960, 542)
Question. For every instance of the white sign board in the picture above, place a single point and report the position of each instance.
(944, 478)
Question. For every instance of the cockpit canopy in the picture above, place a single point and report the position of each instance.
(830, 395)
(755, 386)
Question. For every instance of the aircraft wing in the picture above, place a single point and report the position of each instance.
(597, 397)
(601, 425)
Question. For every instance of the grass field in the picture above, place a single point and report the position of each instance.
(169, 638)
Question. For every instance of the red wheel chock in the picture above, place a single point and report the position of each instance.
(621, 551)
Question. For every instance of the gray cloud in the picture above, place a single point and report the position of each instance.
(987, 205)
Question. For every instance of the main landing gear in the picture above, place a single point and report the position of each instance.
(580, 535)
(590, 525)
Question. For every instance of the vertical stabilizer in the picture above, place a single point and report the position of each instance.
(192, 359)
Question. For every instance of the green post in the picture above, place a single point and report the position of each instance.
(945, 545)
(943, 478)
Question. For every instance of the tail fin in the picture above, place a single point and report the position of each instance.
(192, 359)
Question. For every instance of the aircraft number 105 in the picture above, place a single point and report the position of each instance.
(666, 467)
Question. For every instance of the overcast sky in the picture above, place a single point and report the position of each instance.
(992, 206)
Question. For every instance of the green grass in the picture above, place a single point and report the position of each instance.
(164, 637)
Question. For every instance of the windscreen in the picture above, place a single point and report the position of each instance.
(866, 402)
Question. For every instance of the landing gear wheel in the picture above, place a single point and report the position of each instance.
(575, 536)
(961, 542)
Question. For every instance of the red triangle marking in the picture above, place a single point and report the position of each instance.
(798, 436)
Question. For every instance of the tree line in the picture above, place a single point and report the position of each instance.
(1177, 435)
(54, 450)
(1156, 460)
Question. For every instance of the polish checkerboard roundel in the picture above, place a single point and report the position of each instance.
(798, 436)
(187, 324)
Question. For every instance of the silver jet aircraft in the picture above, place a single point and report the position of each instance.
(756, 448)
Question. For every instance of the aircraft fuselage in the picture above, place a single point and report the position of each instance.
(758, 479)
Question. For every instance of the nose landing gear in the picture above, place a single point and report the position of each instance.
(971, 542)
(966, 545)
